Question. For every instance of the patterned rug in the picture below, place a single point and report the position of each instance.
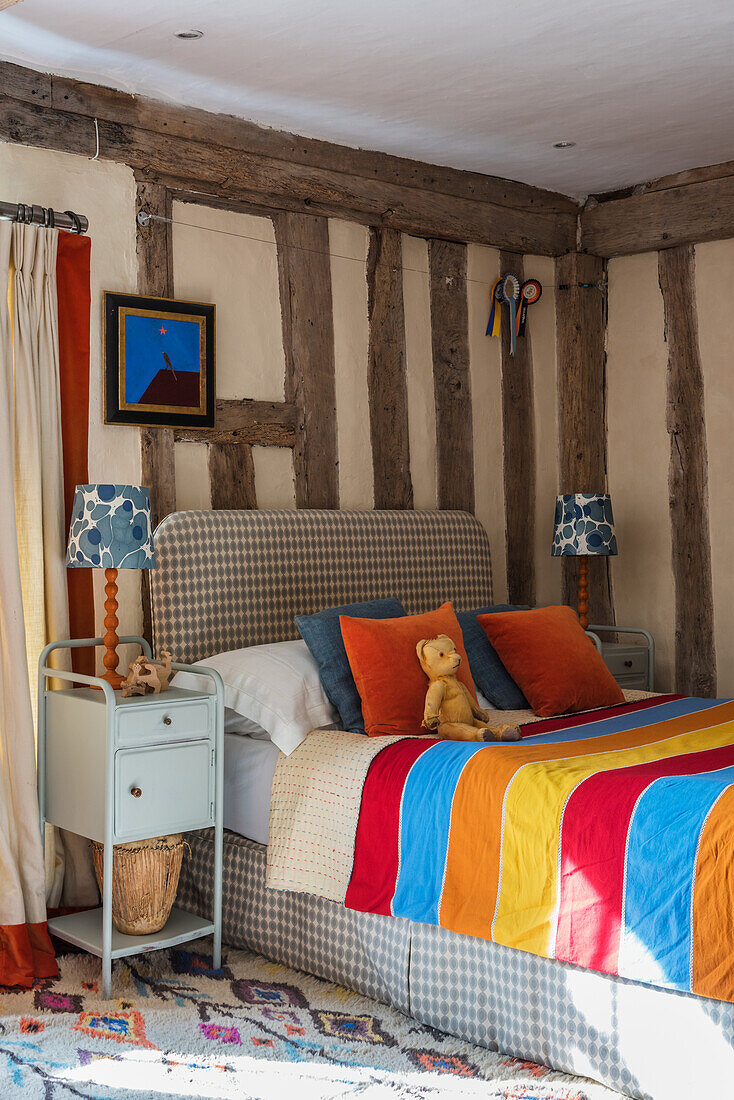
(177, 1028)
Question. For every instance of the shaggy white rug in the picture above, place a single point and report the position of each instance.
(253, 1029)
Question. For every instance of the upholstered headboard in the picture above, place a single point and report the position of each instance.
(229, 579)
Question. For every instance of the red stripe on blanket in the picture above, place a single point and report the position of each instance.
(593, 854)
(376, 846)
(568, 721)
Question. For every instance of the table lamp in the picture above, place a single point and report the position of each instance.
(110, 529)
(583, 525)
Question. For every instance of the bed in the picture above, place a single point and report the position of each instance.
(225, 580)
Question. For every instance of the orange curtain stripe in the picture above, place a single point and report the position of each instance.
(26, 953)
(74, 301)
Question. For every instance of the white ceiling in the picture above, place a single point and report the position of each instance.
(644, 87)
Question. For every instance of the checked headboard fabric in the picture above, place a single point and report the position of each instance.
(229, 579)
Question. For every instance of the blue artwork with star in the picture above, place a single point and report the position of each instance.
(162, 360)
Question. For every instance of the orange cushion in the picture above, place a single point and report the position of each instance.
(556, 666)
(390, 681)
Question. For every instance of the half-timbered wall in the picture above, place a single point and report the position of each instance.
(399, 328)
(353, 367)
(411, 388)
(671, 456)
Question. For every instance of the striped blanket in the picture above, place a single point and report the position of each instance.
(604, 839)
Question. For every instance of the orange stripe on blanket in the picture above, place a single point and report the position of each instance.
(535, 803)
(473, 859)
(712, 971)
(26, 953)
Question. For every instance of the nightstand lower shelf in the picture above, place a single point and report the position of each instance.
(85, 930)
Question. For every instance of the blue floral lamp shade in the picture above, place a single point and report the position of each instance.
(111, 529)
(583, 526)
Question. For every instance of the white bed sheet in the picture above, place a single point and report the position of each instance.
(249, 766)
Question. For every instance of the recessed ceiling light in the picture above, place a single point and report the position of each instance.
(189, 34)
(563, 144)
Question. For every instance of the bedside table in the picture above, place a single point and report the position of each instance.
(117, 770)
(631, 665)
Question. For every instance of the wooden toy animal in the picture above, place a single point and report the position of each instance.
(148, 677)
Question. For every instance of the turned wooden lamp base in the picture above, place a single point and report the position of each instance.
(583, 591)
(110, 659)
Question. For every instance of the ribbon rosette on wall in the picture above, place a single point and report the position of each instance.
(507, 291)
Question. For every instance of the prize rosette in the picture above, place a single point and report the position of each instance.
(495, 298)
(510, 288)
(530, 293)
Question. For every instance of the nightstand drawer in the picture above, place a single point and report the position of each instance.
(632, 683)
(163, 789)
(626, 660)
(163, 721)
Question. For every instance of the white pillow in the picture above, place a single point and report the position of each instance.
(235, 723)
(274, 689)
(483, 701)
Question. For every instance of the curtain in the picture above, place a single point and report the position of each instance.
(74, 303)
(39, 500)
(25, 949)
(44, 403)
(39, 497)
(39, 486)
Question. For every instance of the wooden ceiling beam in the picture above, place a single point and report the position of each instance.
(95, 101)
(252, 202)
(689, 175)
(194, 146)
(688, 208)
(238, 161)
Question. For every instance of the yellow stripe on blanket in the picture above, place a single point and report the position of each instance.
(534, 805)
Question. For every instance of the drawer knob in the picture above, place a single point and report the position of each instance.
(628, 664)
(135, 792)
(167, 720)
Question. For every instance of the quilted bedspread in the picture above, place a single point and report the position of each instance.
(604, 839)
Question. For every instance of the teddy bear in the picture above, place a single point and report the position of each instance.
(450, 710)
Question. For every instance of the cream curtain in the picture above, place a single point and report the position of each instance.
(39, 500)
(22, 879)
(38, 457)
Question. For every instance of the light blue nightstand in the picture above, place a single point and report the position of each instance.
(117, 770)
(632, 666)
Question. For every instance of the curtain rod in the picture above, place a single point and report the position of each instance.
(42, 215)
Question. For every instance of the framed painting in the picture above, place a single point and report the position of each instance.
(159, 368)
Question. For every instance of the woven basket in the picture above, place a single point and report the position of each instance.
(144, 881)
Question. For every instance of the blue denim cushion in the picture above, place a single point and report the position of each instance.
(489, 674)
(323, 636)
